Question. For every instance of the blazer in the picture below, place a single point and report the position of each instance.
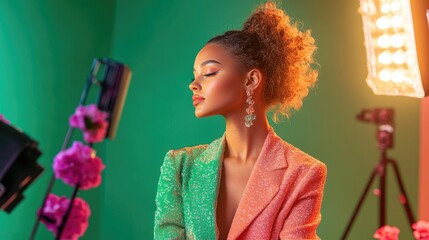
(282, 198)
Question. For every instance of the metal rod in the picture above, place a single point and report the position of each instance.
(360, 202)
(50, 185)
(404, 197)
(94, 69)
(383, 189)
(66, 216)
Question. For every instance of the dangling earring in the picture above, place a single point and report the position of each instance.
(250, 111)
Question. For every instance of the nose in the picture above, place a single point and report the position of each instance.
(194, 85)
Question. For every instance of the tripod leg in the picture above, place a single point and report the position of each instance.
(383, 193)
(362, 198)
(404, 198)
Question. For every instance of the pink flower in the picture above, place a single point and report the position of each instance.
(78, 164)
(54, 210)
(421, 230)
(387, 233)
(91, 121)
(96, 135)
(4, 119)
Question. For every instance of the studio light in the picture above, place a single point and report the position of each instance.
(18, 166)
(396, 38)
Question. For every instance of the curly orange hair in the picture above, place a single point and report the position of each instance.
(283, 53)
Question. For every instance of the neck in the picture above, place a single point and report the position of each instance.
(245, 143)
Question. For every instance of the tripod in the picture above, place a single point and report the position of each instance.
(385, 141)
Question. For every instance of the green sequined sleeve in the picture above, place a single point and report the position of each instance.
(169, 223)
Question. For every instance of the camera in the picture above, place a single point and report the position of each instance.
(384, 119)
(379, 116)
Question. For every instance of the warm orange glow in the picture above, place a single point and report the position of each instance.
(393, 67)
(427, 16)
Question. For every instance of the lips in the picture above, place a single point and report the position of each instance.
(197, 99)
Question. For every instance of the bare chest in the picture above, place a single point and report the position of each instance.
(234, 179)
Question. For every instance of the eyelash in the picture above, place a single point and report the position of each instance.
(206, 75)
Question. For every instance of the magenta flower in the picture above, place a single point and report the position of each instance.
(421, 230)
(92, 121)
(54, 210)
(78, 164)
(4, 119)
(96, 135)
(387, 233)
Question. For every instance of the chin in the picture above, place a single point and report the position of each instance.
(198, 113)
(201, 114)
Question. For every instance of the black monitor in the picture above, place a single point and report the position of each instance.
(18, 165)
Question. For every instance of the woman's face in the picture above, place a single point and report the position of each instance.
(218, 85)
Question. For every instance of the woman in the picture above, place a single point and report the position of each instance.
(249, 183)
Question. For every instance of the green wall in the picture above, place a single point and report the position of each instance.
(159, 41)
(46, 49)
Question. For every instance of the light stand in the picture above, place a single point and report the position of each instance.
(113, 78)
(384, 119)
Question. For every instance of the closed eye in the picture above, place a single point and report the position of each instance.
(210, 74)
(206, 75)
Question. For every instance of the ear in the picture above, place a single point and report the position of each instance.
(253, 79)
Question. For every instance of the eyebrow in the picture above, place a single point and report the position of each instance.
(209, 61)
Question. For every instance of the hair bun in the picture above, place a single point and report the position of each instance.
(288, 53)
(266, 21)
(253, 23)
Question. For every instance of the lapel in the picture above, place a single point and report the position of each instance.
(262, 186)
(203, 188)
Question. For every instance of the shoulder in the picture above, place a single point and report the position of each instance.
(184, 155)
(309, 172)
(303, 162)
(203, 152)
(190, 152)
